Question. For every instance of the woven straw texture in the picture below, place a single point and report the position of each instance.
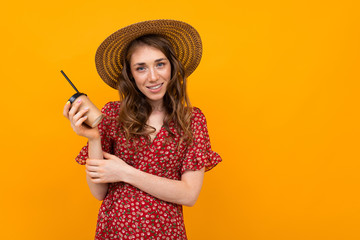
(185, 39)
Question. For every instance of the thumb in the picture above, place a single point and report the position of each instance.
(106, 155)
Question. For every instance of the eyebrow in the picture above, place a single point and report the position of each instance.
(157, 60)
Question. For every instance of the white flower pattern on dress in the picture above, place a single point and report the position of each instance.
(129, 213)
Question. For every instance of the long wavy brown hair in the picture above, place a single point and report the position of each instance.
(135, 109)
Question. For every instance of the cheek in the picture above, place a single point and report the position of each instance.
(168, 74)
(137, 82)
(136, 77)
(133, 73)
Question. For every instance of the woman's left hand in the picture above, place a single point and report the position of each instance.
(108, 170)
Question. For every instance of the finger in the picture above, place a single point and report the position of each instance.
(80, 114)
(108, 155)
(92, 174)
(93, 162)
(97, 180)
(74, 108)
(80, 121)
(105, 154)
(92, 168)
(66, 109)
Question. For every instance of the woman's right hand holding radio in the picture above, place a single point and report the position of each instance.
(77, 119)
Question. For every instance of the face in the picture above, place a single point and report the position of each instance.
(152, 72)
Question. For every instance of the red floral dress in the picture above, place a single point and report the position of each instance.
(129, 213)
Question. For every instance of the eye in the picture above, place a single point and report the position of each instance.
(140, 69)
(161, 64)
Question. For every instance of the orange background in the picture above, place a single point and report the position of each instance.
(278, 83)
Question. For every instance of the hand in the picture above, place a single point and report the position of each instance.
(108, 170)
(77, 119)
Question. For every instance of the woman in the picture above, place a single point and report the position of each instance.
(148, 156)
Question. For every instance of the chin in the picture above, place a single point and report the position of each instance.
(156, 98)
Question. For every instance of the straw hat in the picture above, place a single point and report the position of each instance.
(184, 38)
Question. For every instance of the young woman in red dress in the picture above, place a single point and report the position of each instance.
(148, 156)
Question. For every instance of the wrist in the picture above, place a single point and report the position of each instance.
(129, 173)
(95, 138)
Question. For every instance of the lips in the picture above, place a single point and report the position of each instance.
(155, 87)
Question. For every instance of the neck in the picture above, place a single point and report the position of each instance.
(157, 106)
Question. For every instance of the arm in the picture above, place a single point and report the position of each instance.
(184, 191)
(76, 118)
(98, 190)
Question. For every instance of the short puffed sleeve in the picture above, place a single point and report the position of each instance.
(199, 154)
(107, 129)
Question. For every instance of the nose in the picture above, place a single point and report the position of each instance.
(153, 75)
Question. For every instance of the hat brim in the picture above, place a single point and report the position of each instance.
(184, 38)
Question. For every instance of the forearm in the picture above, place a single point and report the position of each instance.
(184, 191)
(98, 190)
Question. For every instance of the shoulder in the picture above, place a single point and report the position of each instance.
(111, 109)
(197, 116)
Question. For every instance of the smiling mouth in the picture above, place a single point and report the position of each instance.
(155, 87)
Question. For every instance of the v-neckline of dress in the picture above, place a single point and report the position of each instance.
(156, 136)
